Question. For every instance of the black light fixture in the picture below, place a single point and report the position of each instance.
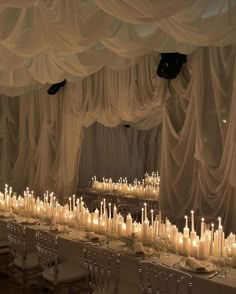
(127, 126)
(170, 65)
(56, 87)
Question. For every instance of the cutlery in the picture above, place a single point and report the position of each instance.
(214, 274)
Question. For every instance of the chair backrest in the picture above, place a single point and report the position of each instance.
(103, 268)
(17, 240)
(47, 250)
(158, 278)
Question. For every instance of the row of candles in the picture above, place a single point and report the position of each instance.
(142, 188)
(106, 219)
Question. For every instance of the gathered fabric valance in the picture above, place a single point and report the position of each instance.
(47, 41)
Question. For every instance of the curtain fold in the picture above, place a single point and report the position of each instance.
(198, 150)
(47, 41)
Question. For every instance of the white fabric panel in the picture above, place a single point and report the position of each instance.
(47, 41)
(198, 167)
(118, 152)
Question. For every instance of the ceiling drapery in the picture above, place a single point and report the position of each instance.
(45, 41)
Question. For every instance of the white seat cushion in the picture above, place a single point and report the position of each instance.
(31, 261)
(67, 272)
(3, 243)
(111, 289)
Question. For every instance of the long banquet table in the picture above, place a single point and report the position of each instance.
(91, 196)
(72, 251)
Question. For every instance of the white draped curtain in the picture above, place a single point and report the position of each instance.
(108, 52)
(119, 152)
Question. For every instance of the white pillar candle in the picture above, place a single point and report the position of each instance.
(150, 234)
(129, 224)
(73, 202)
(212, 239)
(186, 246)
(70, 203)
(202, 249)
(192, 221)
(119, 230)
(145, 211)
(145, 231)
(195, 249)
(142, 218)
(220, 241)
(152, 217)
(101, 205)
(186, 229)
(109, 210)
(180, 246)
(202, 227)
(104, 205)
(219, 223)
(233, 258)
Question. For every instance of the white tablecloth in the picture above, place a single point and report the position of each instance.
(71, 250)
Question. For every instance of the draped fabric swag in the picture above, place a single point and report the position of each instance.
(108, 52)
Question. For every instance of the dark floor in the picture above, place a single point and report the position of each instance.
(8, 287)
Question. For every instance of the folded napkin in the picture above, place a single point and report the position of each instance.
(92, 237)
(138, 248)
(195, 264)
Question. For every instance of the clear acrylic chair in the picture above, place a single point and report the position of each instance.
(24, 268)
(103, 267)
(57, 275)
(158, 279)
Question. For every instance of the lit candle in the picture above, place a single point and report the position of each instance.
(192, 220)
(104, 206)
(109, 210)
(142, 214)
(70, 203)
(212, 238)
(73, 202)
(152, 217)
(101, 208)
(195, 249)
(186, 229)
(219, 225)
(145, 211)
(202, 227)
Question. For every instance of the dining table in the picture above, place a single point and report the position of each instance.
(71, 245)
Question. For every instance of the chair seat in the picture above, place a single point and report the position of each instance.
(31, 261)
(67, 272)
(111, 290)
(3, 244)
(4, 250)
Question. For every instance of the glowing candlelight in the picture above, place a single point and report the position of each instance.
(202, 227)
(73, 202)
(152, 217)
(219, 225)
(142, 214)
(192, 221)
(186, 221)
(70, 202)
(101, 208)
(145, 211)
(104, 206)
(109, 204)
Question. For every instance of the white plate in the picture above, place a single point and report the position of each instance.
(116, 245)
(147, 251)
(209, 267)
